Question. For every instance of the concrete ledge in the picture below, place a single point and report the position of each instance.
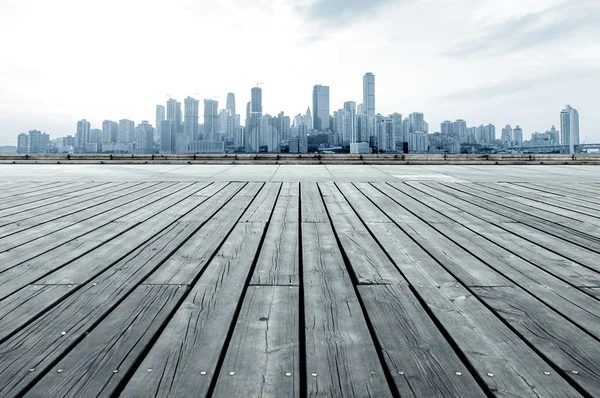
(396, 159)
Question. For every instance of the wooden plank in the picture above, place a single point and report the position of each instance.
(63, 203)
(338, 342)
(563, 251)
(368, 262)
(580, 308)
(56, 203)
(187, 353)
(516, 248)
(532, 308)
(17, 251)
(75, 268)
(35, 190)
(80, 312)
(99, 363)
(422, 362)
(278, 262)
(567, 347)
(13, 231)
(486, 342)
(55, 192)
(192, 258)
(557, 190)
(312, 206)
(264, 349)
(560, 230)
(260, 210)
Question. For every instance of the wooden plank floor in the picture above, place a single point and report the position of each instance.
(294, 289)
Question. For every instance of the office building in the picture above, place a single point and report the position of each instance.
(230, 105)
(320, 108)
(507, 135)
(82, 134)
(518, 136)
(211, 120)
(569, 128)
(110, 131)
(256, 101)
(126, 131)
(174, 114)
(160, 116)
(144, 138)
(191, 128)
(369, 94)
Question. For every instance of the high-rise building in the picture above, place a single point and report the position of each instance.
(399, 138)
(126, 131)
(518, 136)
(369, 94)
(417, 123)
(569, 128)
(446, 127)
(211, 120)
(460, 130)
(160, 116)
(190, 121)
(308, 119)
(256, 101)
(360, 109)
(385, 135)
(320, 108)
(168, 138)
(36, 142)
(230, 106)
(82, 135)
(22, 143)
(507, 135)
(174, 114)
(283, 125)
(110, 131)
(248, 110)
(227, 125)
(95, 141)
(144, 138)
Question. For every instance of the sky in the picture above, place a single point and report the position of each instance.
(485, 61)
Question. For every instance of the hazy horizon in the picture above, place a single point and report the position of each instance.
(484, 62)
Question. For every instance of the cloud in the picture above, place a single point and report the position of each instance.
(522, 84)
(336, 13)
(306, 41)
(554, 23)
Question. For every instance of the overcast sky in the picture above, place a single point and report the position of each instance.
(485, 61)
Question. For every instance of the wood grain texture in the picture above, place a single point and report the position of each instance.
(264, 349)
(97, 364)
(194, 339)
(338, 342)
(422, 362)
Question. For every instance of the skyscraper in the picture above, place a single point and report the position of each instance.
(320, 107)
(82, 135)
(110, 131)
(569, 128)
(230, 106)
(144, 138)
(174, 114)
(507, 135)
(160, 116)
(211, 120)
(518, 136)
(126, 131)
(190, 121)
(256, 101)
(369, 94)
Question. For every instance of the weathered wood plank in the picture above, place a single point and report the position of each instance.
(264, 349)
(420, 359)
(260, 210)
(486, 342)
(97, 364)
(368, 262)
(12, 232)
(186, 355)
(278, 261)
(37, 191)
(56, 203)
(311, 203)
(191, 259)
(338, 342)
(567, 270)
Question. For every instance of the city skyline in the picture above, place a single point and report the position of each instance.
(490, 62)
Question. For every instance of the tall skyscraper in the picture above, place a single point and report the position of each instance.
(320, 107)
(230, 106)
(569, 128)
(417, 123)
(168, 138)
(174, 114)
(507, 135)
(369, 94)
(190, 121)
(460, 130)
(160, 116)
(256, 101)
(82, 135)
(110, 131)
(144, 138)
(211, 120)
(126, 131)
(518, 136)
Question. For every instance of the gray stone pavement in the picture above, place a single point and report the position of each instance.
(300, 173)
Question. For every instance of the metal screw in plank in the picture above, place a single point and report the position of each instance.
(313, 374)
(59, 370)
(490, 374)
(459, 373)
(288, 374)
(231, 373)
(203, 373)
(116, 371)
(546, 373)
(400, 373)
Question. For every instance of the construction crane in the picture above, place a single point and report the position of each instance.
(258, 84)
